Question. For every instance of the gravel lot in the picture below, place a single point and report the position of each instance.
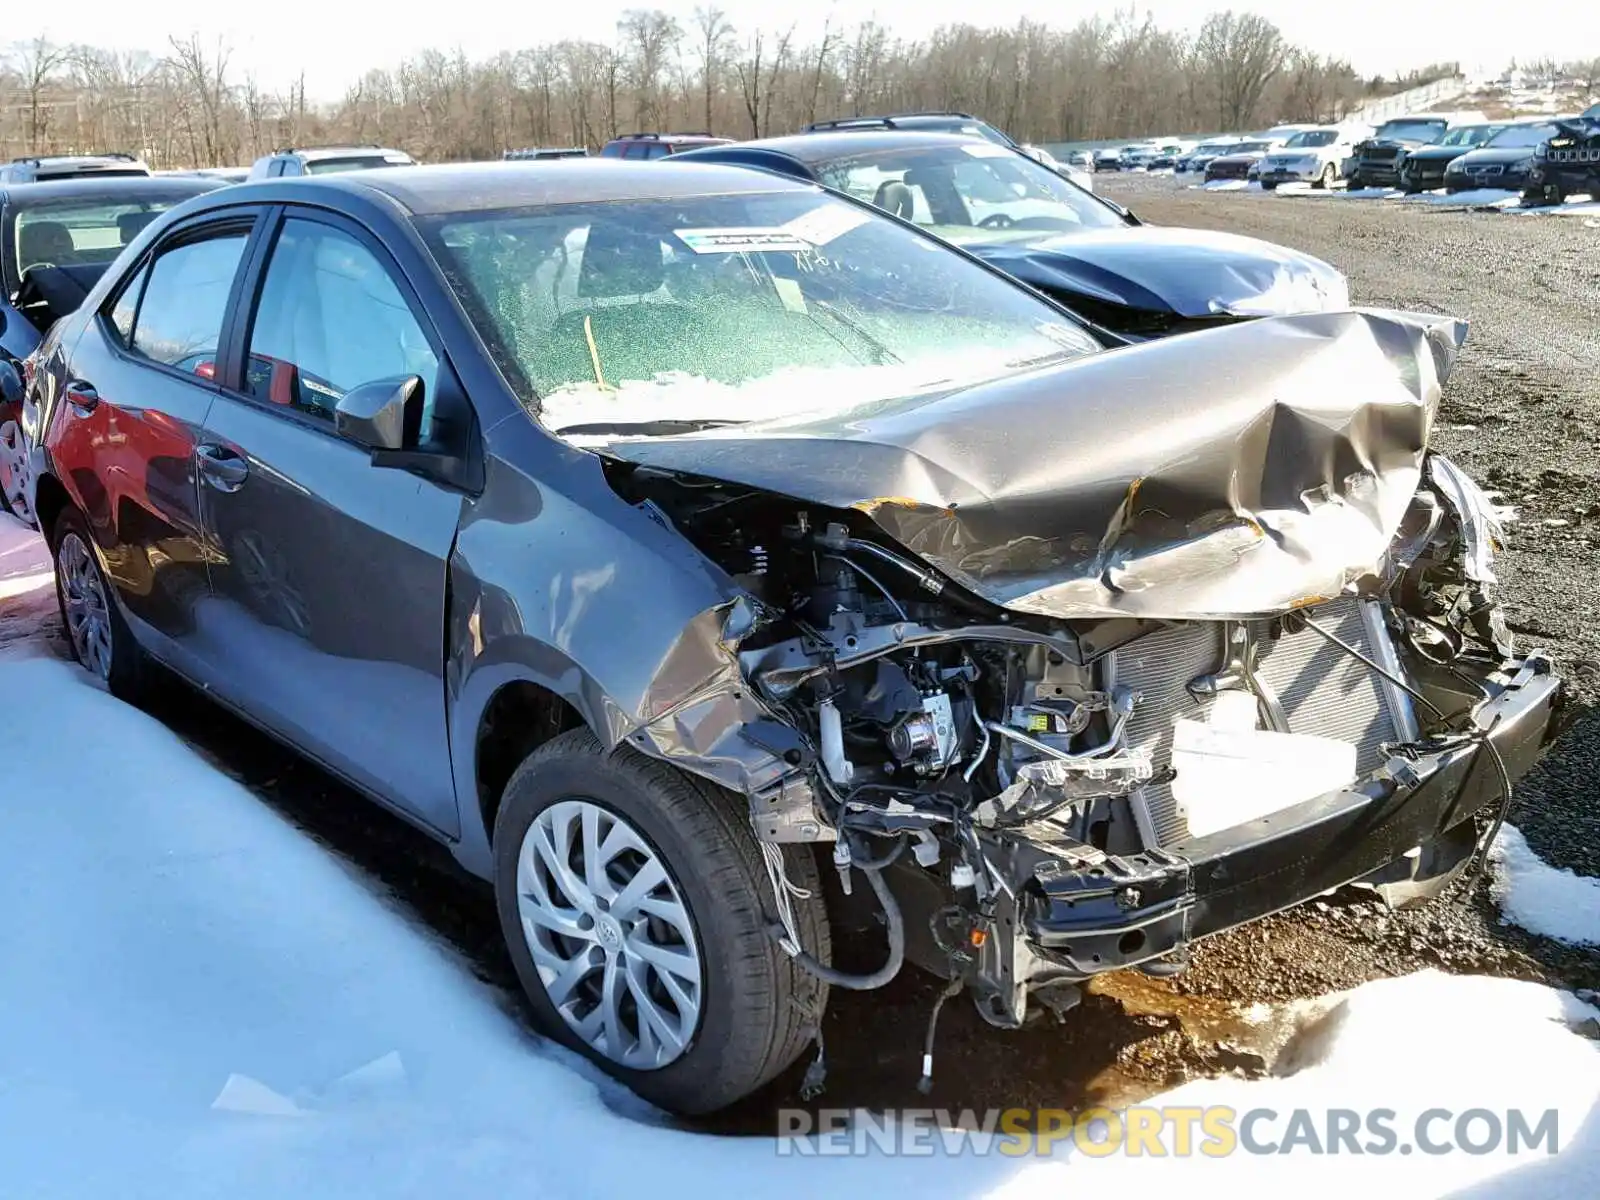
(1520, 415)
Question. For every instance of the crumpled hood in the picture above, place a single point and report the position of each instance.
(1189, 272)
(1238, 472)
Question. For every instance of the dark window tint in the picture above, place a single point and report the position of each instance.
(180, 318)
(127, 303)
(611, 150)
(330, 319)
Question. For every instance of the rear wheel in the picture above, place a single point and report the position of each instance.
(14, 470)
(1330, 174)
(101, 640)
(637, 910)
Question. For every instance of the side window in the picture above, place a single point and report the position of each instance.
(185, 297)
(126, 304)
(275, 168)
(330, 319)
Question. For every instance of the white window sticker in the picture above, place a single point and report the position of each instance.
(734, 240)
(825, 223)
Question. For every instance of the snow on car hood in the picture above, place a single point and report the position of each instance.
(1237, 472)
(1190, 272)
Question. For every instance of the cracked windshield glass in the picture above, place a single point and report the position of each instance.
(619, 317)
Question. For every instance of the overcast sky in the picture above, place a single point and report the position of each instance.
(335, 43)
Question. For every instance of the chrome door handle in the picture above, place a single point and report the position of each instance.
(82, 396)
(221, 468)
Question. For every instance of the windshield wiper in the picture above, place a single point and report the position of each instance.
(884, 355)
(656, 428)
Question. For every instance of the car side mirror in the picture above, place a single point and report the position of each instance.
(10, 384)
(385, 414)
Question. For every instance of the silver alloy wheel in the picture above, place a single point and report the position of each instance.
(83, 598)
(14, 470)
(610, 935)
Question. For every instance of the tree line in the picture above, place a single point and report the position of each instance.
(1102, 78)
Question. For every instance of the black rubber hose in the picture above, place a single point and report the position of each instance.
(897, 946)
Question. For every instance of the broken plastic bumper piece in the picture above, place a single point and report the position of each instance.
(1090, 912)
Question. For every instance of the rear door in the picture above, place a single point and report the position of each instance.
(328, 588)
(140, 382)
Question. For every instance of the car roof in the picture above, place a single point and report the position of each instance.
(110, 187)
(312, 153)
(824, 146)
(483, 186)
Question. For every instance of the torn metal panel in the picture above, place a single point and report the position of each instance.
(1239, 472)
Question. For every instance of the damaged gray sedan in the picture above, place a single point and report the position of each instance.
(711, 561)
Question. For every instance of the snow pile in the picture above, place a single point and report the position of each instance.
(24, 558)
(1471, 198)
(1542, 899)
(1372, 193)
(199, 1001)
(27, 584)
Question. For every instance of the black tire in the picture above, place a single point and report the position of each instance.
(1326, 180)
(759, 1008)
(131, 670)
(1357, 182)
(1269, 187)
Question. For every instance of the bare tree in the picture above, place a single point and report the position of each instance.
(38, 64)
(651, 36)
(208, 96)
(757, 88)
(715, 33)
(1243, 53)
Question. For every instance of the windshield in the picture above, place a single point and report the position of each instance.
(1519, 137)
(732, 308)
(969, 194)
(1414, 131)
(1470, 135)
(1312, 137)
(81, 231)
(364, 162)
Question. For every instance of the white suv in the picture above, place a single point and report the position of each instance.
(1315, 156)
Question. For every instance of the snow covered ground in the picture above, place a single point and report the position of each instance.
(197, 1000)
(1542, 899)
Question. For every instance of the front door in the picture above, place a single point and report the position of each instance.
(327, 614)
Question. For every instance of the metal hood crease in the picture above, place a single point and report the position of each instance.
(1239, 472)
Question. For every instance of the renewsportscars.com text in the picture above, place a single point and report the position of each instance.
(1172, 1131)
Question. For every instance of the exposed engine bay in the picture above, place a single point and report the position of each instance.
(1011, 774)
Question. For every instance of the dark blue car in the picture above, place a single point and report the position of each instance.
(1094, 256)
(56, 239)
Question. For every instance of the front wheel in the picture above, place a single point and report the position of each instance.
(100, 638)
(636, 906)
(1330, 174)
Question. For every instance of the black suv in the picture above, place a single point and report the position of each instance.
(922, 122)
(657, 145)
(42, 168)
(1568, 162)
(1378, 159)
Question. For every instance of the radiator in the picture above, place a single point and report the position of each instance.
(1322, 690)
